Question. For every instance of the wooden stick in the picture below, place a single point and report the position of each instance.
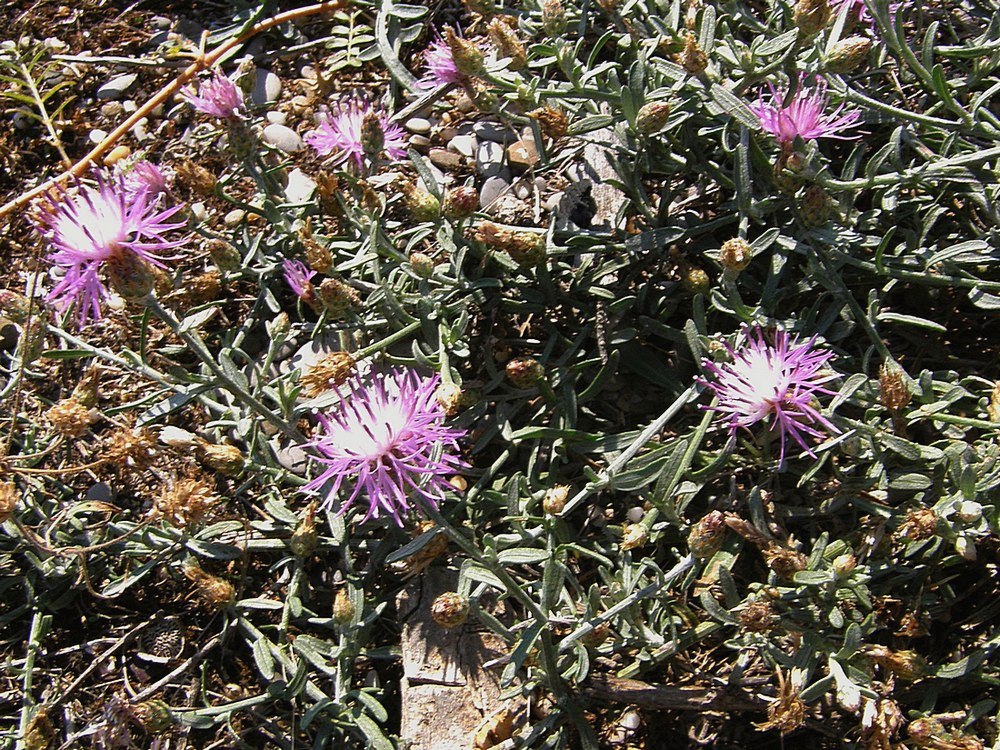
(203, 62)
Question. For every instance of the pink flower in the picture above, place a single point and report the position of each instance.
(803, 115)
(343, 132)
(389, 440)
(858, 9)
(218, 97)
(779, 381)
(299, 278)
(439, 65)
(144, 175)
(96, 225)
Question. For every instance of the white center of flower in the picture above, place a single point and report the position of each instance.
(372, 436)
(95, 227)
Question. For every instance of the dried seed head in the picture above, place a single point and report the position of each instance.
(524, 372)
(8, 500)
(130, 448)
(817, 206)
(337, 298)
(507, 43)
(39, 734)
(450, 609)
(555, 499)
(634, 535)
(758, 617)
(14, 306)
(205, 287)
(185, 502)
(848, 54)
(735, 254)
(129, 275)
(155, 716)
(526, 248)
(422, 204)
(810, 16)
(195, 177)
(86, 391)
(697, 281)
(894, 393)
(372, 134)
(305, 538)
(433, 549)
(693, 59)
(449, 396)
(906, 665)
(70, 418)
(334, 369)
(460, 203)
(918, 524)
(552, 121)
(318, 257)
(422, 264)
(223, 255)
(993, 409)
(226, 459)
(553, 18)
(787, 712)
(343, 608)
(214, 592)
(784, 562)
(652, 116)
(706, 536)
(467, 56)
(923, 732)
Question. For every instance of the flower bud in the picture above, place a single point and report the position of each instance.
(337, 298)
(32, 341)
(318, 257)
(524, 372)
(467, 56)
(422, 265)
(449, 396)
(735, 254)
(422, 204)
(86, 391)
(14, 306)
(924, 731)
(787, 173)
(526, 248)
(224, 256)
(552, 121)
(154, 716)
(8, 500)
(810, 16)
(215, 593)
(969, 511)
(507, 43)
(555, 499)
(693, 59)
(305, 538)
(894, 393)
(634, 535)
(195, 177)
(758, 617)
(848, 54)
(372, 135)
(844, 565)
(450, 609)
(553, 18)
(329, 372)
(129, 274)
(817, 206)
(343, 608)
(226, 459)
(280, 326)
(966, 547)
(696, 281)
(483, 98)
(460, 203)
(706, 536)
(652, 116)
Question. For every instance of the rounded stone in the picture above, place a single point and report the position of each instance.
(117, 86)
(282, 137)
(266, 87)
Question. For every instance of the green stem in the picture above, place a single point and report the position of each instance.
(388, 341)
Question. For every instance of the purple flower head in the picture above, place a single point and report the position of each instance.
(387, 436)
(340, 132)
(780, 381)
(144, 175)
(858, 10)
(803, 116)
(217, 96)
(439, 65)
(299, 278)
(95, 225)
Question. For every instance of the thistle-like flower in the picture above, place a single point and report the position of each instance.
(340, 132)
(779, 381)
(388, 437)
(144, 175)
(858, 9)
(299, 278)
(439, 65)
(102, 225)
(803, 114)
(217, 96)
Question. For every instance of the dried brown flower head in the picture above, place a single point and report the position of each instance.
(70, 418)
(524, 372)
(758, 617)
(894, 393)
(337, 298)
(226, 459)
(214, 592)
(810, 16)
(328, 373)
(195, 177)
(450, 609)
(555, 499)
(693, 59)
(184, 502)
(526, 248)
(783, 561)
(449, 395)
(552, 120)
(735, 254)
(154, 716)
(707, 535)
(787, 712)
(634, 535)
(343, 608)
(918, 524)
(305, 537)
(8, 500)
(130, 448)
(507, 44)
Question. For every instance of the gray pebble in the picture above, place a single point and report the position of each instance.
(494, 131)
(420, 142)
(234, 217)
(278, 118)
(97, 135)
(464, 144)
(445, 159)
(160, 22)
(489, 158)
(492, 189)
(418, 125)
(266, 87)
(300, 187)
(636, 514)
(117, 86)
(522, 189)
(282, 137)
(100, 492)
(291, 456)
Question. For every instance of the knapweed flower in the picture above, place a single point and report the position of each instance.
(144, 175)
(341, 132)
(108, 226)
(439, 66)
(299, 278)
(217, 96)
(388, 439)
(779, 382)
(858, 10)
(804, 115)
